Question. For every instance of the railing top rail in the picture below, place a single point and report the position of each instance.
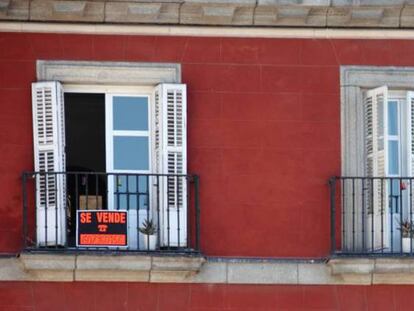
(29, 173)
(370, 177)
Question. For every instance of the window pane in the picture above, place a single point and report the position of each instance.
(130, 113)
(131, 153)
(392, 118)
(393, 165)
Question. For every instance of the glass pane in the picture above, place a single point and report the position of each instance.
(393, 165)
(130, 113)
(122, 183)
(131, 153)
(394, 186)
(392, 118)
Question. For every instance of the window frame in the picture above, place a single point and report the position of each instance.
(115, 90)
(118, 77)
(354, 81)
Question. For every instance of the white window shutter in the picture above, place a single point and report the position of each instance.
(375, 131)
(171, 158)
(410, 132)
(49, 157)
(375, 104)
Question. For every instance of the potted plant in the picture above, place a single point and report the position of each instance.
(149, 230)
(406, 228)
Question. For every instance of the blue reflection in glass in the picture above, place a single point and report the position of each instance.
(392, 118)
(131, 153)
(393, 165)
(133, 193)
(130, 113)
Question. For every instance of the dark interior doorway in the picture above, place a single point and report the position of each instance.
(85, 152)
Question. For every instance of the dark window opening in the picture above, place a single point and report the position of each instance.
(85, 152)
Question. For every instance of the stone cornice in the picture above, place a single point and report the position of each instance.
(276, 13)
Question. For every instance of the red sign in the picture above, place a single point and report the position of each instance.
(102, 228)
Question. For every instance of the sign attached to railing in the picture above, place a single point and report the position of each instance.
(102, 228)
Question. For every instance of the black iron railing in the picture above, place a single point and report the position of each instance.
(372, 216)
(76, 211)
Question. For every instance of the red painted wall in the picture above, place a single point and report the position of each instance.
(196, 297)
(264, 128)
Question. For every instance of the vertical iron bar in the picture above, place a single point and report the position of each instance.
(76, 193)
(344, 223)
(127, 191)
(56, 207)
(363, 181)
(138, 206)
(127, 197)
(87, 190)
(146, 197)
(37, 201)
(46, 205)
(177, 201)
(332, 185)
(96, 190)
(353, 214)
(411, 215)
(401, 215)
(117, 192)
(382, 216)
(158, 213)
(372, 214)
(24, 229)
(197, 210)
(168, 212)
(391, 220)
(189, 231)
(76, 206)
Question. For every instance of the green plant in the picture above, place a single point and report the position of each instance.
(148, 227)
(407, 229)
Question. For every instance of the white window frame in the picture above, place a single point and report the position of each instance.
(116, 77)
(110, 91)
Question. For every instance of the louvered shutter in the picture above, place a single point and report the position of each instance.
(49, 157)
(410, 123)
(171, 159)
(410, 148)
(376, 166)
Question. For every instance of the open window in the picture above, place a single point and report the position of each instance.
(111, 150)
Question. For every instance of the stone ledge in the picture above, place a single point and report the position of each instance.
(107, 267)
(192, 269)
(374, 270)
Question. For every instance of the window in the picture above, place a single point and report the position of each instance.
(142, 133)
(377, 148)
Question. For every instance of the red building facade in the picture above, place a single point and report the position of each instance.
(264, 137)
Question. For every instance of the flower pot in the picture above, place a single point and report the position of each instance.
(150, 242)
(406, 245)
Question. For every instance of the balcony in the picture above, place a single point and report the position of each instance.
(74, 212)
(372, 216)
